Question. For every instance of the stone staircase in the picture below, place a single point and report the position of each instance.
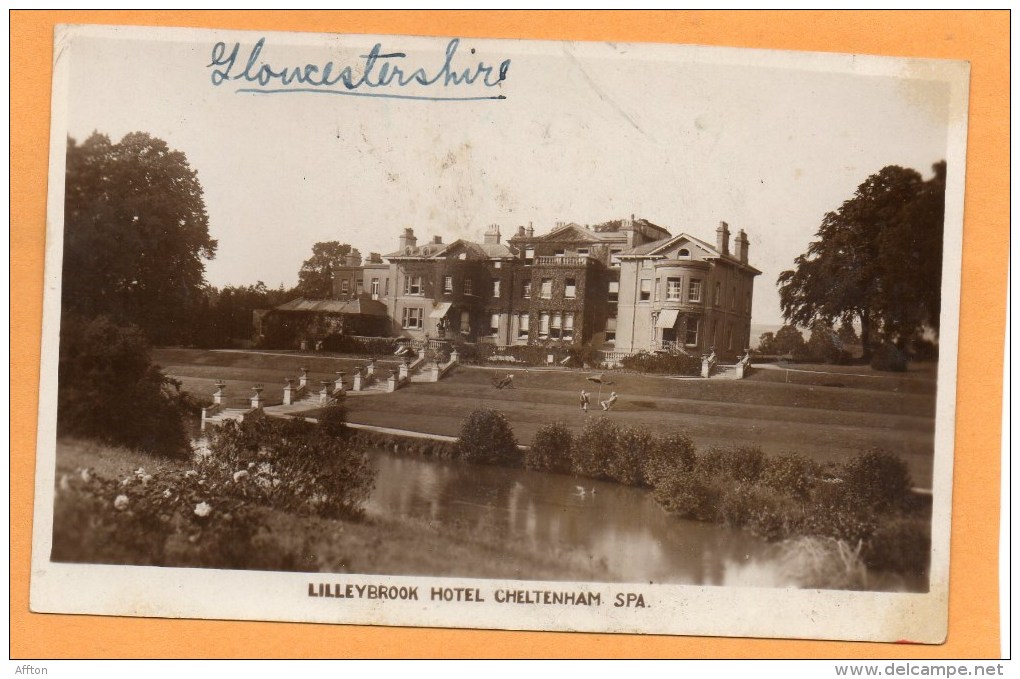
(222, 415)
(721, 371)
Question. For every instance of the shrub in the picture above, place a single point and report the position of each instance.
(550, 450)
(333, 420)
(901, 544)
(762, 511)
(671, 452)
(634, 447)
(690, 494)
(824, 563)
(109, 389)
(594, 450)
(889, 358)
(663, 363)
(486, 437)
(293, 465)
(739, 463)
(876, 480)
(794, 475)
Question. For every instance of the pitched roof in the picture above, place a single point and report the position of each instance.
(656, 247)
(335, 306)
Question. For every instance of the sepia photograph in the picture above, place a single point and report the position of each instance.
(499, 333)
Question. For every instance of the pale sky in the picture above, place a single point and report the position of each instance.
(683, 137)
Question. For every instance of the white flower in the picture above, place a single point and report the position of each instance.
(140, 471)
(202, 509)
(120, 503)
(191, 472)
(265, 468)
(167, 493)
(276, 482)
(243, 474)
(250, 465)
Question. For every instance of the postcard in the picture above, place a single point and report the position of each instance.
(450, 332)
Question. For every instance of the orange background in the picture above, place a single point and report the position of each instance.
(979, 37)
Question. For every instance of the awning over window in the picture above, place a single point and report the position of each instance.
(441, 310)
(667, 318)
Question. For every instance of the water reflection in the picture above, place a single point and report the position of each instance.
(615, 525)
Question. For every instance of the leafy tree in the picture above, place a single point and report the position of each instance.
(789, 340)
(877, 259)
(315, 280)
(767, 343)
(136, 233)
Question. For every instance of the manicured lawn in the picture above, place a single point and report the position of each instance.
(814, 417)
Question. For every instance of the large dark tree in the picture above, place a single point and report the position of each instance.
(877, 260)
(135, 234)
(315, 280)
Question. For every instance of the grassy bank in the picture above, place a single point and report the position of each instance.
(828, 424)
(295, 541)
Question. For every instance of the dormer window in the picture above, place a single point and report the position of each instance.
(684, 252)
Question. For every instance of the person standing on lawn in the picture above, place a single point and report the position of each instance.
(585, 401)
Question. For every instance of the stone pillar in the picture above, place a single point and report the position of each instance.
(339, 384)
(454, 356)
(324, 394)
(288, 392)
(303, 380)
(391, 383)
(219, 395)
(403, 370)
(256, 399)
(370, 369)
(359, 383)
(431, 371)
(706, 366)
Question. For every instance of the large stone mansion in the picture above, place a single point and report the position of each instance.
(626, 285)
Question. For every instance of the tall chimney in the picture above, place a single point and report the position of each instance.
(722, 238)
(740, 244)
(530, 233)
(520, 231)
(492, 235)
(407, 240)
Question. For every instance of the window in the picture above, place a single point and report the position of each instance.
(694, 291)
(413, 317)
(582, 252)
(468, 286)
(570, 290)
(674, 289)
(522, 325)
(646, 290)
(684, 252)
(691, 338)
(568, 326)
(555, 331)
(546, 288)
(733, 298)
(529, 255)
(611, 329)
(657, 281)
(375, 287)
(747, 305)
(387, 287)
(497, 265)
(729, 336)
(614, 257)
(526, 290)
(412, 285)
(360, 286)
(345, 286)
(559, 253)
(543, 324)
(465, 322)
(718, 294)
(614, 291)
(447, 283)
(494, 325)
(495, 287)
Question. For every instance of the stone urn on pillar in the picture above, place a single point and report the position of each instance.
(256, 399)
(339, 384)
(359, 383)
(220, 393)
(303, 380)
(288, 391)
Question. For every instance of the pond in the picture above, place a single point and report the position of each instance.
(618, 526)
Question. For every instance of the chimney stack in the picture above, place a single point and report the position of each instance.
(353, 258)
(740, 244)
(437, 240)
(530, 233)
(408, 240)
(492, 235)
(722, 238)
(520, 231)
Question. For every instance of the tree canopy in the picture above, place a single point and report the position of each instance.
(315, 280)
(136, 233)
(876, 260)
